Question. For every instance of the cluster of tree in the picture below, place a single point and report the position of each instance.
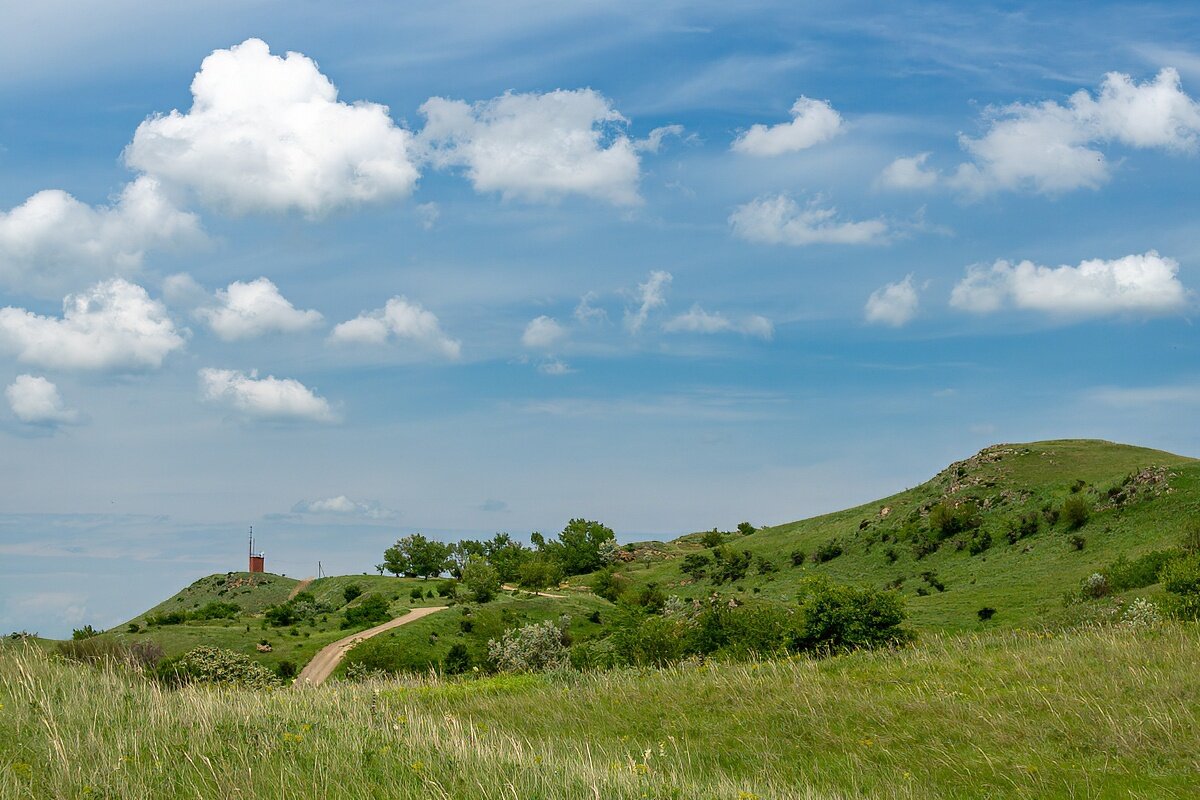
(484, 566)
(301, 608)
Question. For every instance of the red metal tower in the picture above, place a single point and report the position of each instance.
(257, 560)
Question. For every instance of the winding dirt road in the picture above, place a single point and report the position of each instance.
(315, 672)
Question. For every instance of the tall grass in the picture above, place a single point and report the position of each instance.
(1103, 712)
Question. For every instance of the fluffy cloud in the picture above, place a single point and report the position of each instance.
(343, 506)
(893, 304)
(779, 220)
(268, 133)
(651, 295)
(1143, 285)
(697, 320)
(543, 332)
(246, 310)
(36, 401)
(53, 242)
(908, 173)
(115, 325)
(813, 122)
(536, 146)
(1050, 148)
(265, 398)
(400, 318)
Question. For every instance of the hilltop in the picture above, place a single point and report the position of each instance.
(1012, 551)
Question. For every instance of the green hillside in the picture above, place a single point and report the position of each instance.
(1096, 712)
(1138, 500)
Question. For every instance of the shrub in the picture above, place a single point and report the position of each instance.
(979, 543)
(745, 528)
(371, 610)
(695, 565)
(827, 551)
(458, 660)
(946, 519)
(1075, 512)
(891, 555)
(933, 580)
(540, 572)
(1094, 587)
(417, 593)
(86, 632)
(351, 592)
(712, 539)
(730, 565)
(608, 584)
(286, 670)
(538, 647)
(835, 617)
(448, 587)
(650, 597)
(216, 610)
(764, 565)
(481, 579)
(133, 627)
(798, 557)
(642, 639)
(986, 613)
(1141, 613)
(594, 617)
(1181, 578)
(1076, 541)
(1191, 536)
(281, 615)
(1025, 525)
(1145, 570)
(217, 666)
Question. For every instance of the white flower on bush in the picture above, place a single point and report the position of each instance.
(537, 647)
(1095, 585)
(1141, 613)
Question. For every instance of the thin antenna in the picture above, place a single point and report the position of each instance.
(251, 540)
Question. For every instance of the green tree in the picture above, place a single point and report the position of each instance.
(580, 546)
(481, 579)
(839, 617)
(539, 573)
(506, 555)
(416, 555)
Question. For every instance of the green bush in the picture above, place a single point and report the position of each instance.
(730, 565)
(217, 666)
(1181, 579)
(216, 610)
(86, 632)
(608, 584)
(986, 613)
(745, 528)
(1145, 570)
(371, 610)
(980, 542)
(352, 592)
(695, 565)
(764, 565)
(947, 519)
(835, 617)
(458, 660)
(798, 557)
(481, 579)
(827, 551)
(1075, 512)
(712, 539)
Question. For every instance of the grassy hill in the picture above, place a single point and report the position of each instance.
(1139, 500)
(1093, 712)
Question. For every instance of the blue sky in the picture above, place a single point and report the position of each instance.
(460, 269)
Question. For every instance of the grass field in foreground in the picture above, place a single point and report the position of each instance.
(1107, 712)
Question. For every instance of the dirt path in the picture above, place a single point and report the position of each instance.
(326, 660)
(509, 587)
(299, 587)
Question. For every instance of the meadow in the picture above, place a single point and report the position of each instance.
(1095, 712)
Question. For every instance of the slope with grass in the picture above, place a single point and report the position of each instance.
(1140, 500)
(1095, 712)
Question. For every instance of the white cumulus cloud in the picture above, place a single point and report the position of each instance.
(246, 310)
(697, 320)
(36, 401)
(115, 325)
(893, 304)
(343, 506)
(908, 173)
(543, 332)
(536, 146)
(651, 295)
(1141, 285)
(1053, 148)
(403, 319)
(52, 242)
(779, 220)
(813, 122)
(265, 398)
(268, 133)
